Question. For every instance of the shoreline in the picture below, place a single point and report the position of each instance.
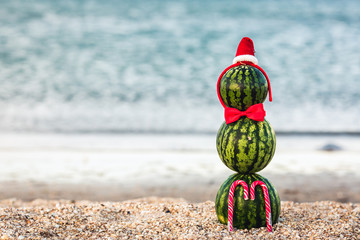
(121, 167)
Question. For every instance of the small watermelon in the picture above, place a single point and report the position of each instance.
(243, 86)
(246, 146)
(247, 213)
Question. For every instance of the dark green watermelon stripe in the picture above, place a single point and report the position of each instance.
(235, 134)
(248, 80)
(236, 146)
(246, 126)
(223, 90)
(266, 159)
(264, 132)
(228, 149)
(220, 137)
(238, 93)
(229, 154)
(227, 84)
(253, 84)
(232, 96)
(239, 77)
(257, 89)
(224, 142)
(269, 137)
(251, 167)
(262, 86)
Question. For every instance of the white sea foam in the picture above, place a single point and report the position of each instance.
(152, 67)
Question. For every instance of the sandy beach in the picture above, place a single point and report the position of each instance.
(166, 218)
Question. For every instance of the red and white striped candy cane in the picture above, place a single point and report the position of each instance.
(267, 201)
(231, 200)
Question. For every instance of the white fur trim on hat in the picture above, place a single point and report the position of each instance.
(246, 57)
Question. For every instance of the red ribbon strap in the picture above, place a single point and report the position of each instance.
(255, 112)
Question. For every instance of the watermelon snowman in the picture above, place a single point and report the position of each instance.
(246, 144)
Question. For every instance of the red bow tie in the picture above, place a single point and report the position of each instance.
(255, 112)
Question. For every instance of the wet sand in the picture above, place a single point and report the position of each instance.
(298, 188)
(117, 168)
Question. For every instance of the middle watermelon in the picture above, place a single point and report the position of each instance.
(246, 146)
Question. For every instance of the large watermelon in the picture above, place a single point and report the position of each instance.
(246, 146)
(243, 86)
(247, 213)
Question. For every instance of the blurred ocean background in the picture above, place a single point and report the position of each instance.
(134, 66)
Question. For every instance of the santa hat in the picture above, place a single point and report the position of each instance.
(245, 52)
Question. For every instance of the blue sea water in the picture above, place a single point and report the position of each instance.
(152, 66)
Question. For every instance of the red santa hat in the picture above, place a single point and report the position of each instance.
(245, 52)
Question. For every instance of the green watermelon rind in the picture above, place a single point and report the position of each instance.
(243, 86)
(246, 146)
(247, 213)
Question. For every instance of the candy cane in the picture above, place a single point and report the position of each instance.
(231, 200)
(267, 201)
